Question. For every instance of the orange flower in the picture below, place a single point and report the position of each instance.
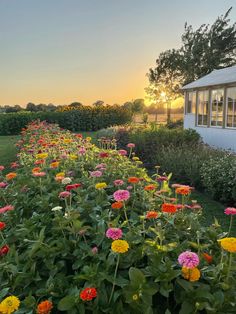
(183, 190)
(11, 175)
(117, 205)
(208, 258)
(44, 307)
(37, 169)
(133, 180)
(149, 187)
(168, 208)
(151, 214)
(54, 164)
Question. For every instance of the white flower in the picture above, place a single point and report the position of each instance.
(66, 215)
(57, 208)
(66, 180)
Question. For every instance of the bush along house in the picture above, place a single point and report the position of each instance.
(210, 107)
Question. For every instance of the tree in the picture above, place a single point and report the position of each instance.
(203, 50)
(76, 104)
(98, 103)
(31, 107)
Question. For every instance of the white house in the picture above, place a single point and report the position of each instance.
(210, 107)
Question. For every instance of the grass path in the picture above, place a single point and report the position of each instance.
(211, 208)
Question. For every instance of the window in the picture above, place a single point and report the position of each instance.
(231, 107)
(202, 107)
(191, 102)
(217, 99)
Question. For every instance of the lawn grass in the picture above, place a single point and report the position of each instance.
(8, 150)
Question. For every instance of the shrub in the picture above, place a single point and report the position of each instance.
(219, 177)
(85, 118)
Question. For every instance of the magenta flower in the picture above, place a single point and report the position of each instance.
(96, 174)
(3, 185)
(114, 233)
(131, 145)
(122, 152)
(82, 151)
(118, 182)
(188, 259)
(121, 195)
(230, 211)
(6, 208)
(64, 194)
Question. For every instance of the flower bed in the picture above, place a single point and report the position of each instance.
(85, 230)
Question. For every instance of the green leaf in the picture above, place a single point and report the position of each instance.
(66, 303)
(186, 308)
(136, 276)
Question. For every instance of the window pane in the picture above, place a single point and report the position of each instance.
(217, 99)
(191, 102)
(203, 107)
(231, 107)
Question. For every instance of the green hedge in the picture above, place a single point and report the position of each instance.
(83, 119)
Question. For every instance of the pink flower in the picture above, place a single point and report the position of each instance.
(82, 151)
(96, 174)
(121, 195)
(188, 259)
(122, 152)
(3, 185)
(131, 145)
(39, 174)
(114, 233)
(6, 208)
(64, 194)
(94, 250)
(101, 166)
(129, 187)
(118, 182)
(2, 168)
(230, 211)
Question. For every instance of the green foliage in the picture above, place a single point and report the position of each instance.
(219, 177)
(202, 51)
(82, 119)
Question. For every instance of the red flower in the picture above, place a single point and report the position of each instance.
(72, 186)
(151, 214)
(103, 155)
(88, 294)
(117, 205)
(2, 225)
(4, 250)
(168, 208)
(133, 180)
(208, 258)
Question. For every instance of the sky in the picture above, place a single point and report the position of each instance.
(60, 51)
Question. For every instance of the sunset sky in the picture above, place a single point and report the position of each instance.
(60, 51)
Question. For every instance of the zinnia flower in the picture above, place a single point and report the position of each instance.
(11, 175)
(39, 174)
(230, 211)
(191, 274)
(228, 244)
(3, 185)
(72, 186)
(183, 190)
(120, 246)
(114, 233)
(2, 168)
(151, 215)
(44, 307)
(2, 225)
(96, 174)
(117, 205)
(168, 208)
(122, 152)
(66, 180)
(9, 305)
(6, 208)
(88, 294)
(208, 258)
(103, 155)
(131, 145)
(4, 250)
(133, 180)
(54, 164)
(101, 185)
(64, 194)
(188, 259)
(121, 195)
(118, 182)
(149, 187)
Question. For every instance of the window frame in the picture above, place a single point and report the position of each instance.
(206, 91)
(226, 111)
(194, 94)
(210, 122)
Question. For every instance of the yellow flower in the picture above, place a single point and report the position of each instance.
(54, 164)
(191, 274)
(88, 139)
(228, 244)
(60, 174)
(135, 158)
(101, 185)
(42, 156)
(9, 305)
(120, 246)
(135, 297)
(67, 140)
(73, 157)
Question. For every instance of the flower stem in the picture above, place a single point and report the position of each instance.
(113, 287)
(230, 225)
(229, 266)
